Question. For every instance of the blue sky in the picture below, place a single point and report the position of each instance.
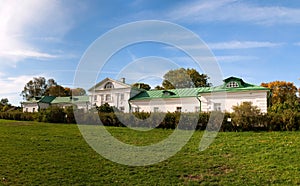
(256, 40)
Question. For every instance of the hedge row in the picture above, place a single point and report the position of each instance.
(17, 115)
(289, 121)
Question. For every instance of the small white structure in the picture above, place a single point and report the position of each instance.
(202, 99)
(36, 104)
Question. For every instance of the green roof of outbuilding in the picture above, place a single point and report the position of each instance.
(193, 92)
(74, 99)
(172, 93)
(46, 99)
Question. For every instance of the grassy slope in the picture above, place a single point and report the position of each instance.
(56, 154)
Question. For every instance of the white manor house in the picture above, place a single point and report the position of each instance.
(130, 99)
(202, 99)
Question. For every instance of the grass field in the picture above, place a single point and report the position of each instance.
(56, 154)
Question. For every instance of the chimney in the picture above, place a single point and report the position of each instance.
(123, 80)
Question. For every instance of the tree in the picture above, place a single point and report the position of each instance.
(34, 88)
(78, 92)
(56, 90)
(106, 108)
(184, 78)
(158, 88)
(142, 86)
(4, 101)
(199, 80)
(281, 91)
(38, 88)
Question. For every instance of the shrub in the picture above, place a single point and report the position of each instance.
(245, 116)
(52, 114)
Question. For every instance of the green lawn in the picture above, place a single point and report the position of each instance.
(56, 154)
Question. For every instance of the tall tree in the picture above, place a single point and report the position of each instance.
(78, 92)
(39, 87)
(142, 86)
(4, 101)
(184, 78)
(199, 80)
(56, 91)
(281, 91)
(34, 88)
(158, 88)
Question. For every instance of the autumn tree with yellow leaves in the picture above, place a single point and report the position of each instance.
(281, 91)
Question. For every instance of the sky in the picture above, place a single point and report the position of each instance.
(257, 40)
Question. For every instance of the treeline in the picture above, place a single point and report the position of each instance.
(244, 120)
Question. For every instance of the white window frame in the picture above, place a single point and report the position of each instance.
(217, 107)
(122, 97)
(178, 109)
(108, 85)
(232, 84)
(108, 97)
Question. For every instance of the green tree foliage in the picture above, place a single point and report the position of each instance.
(34, 88)
(158, 88)
(78, 92)
(4, 101)
(39, 87)
(142, 86)
(106, 108)
(52, 114)
(56, 90)
(246, 116)
(184, 78)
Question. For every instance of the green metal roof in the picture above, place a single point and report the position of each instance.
(56, 100)
(44, 99)
(172, 93)
(74, 99)
(194, 92)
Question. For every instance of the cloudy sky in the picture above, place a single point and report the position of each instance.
(257, 40)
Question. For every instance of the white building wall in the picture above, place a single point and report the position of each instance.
(190, 104)
(30, 107)
(258, 98)
(209, 102)
(114, 97)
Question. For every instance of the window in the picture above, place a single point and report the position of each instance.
(108, 85)
(155, 109)
(95, 97)
(26, 110)
(107, 97)
(122, 109)
(33, 109)
(168, 93)
(137, 109)
(197, 109)
(121, 97)
(232, 84)
(217, 106)
(178, 109)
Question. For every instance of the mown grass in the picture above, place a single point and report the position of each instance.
(56, 154)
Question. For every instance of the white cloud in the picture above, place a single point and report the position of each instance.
(297, 44)
(226, 58)
(235, 58)
(11, 87)
(234, 11)
(242, 45)
(230, 45)
(22, 20)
